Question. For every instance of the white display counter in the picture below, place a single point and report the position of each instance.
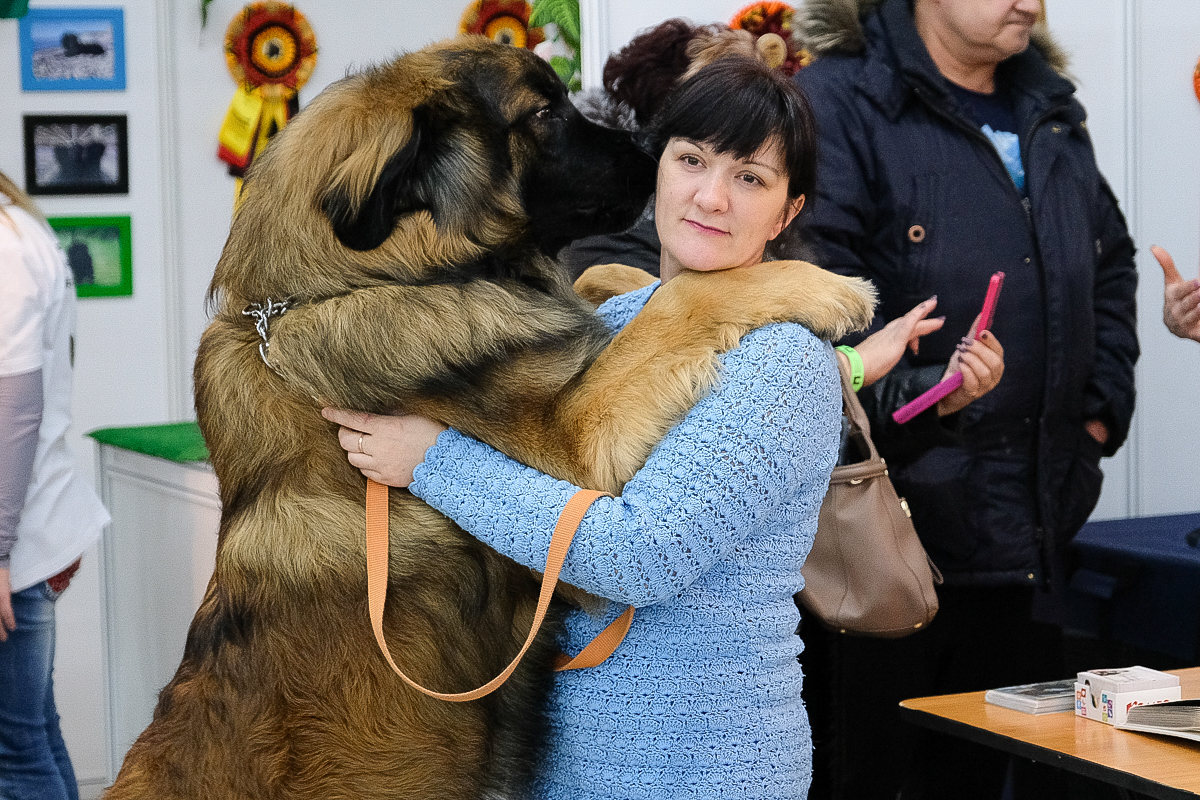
(156, 560)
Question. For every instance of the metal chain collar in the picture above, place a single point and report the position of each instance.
(262, 313)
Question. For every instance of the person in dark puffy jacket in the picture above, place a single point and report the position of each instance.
(950, 149)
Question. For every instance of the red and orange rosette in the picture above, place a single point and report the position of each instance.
(503, 21)
(271, 51)
(771, 23)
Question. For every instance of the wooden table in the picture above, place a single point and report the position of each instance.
(1158, 766)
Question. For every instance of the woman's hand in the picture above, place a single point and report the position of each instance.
(981, 362)
(1181, 299)
(882, 350)
(386, 449)
(8, 621)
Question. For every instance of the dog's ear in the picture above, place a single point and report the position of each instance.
(364, 213)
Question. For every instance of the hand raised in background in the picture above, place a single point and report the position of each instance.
(882, 350)
(1181, 299)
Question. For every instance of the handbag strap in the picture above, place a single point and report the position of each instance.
(564, 531)
(860, 427)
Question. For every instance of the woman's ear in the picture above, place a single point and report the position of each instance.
(790, 210)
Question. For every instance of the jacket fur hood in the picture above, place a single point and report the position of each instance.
(836, 26)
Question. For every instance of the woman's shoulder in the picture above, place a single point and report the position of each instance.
(20, 235)
(783, 353)
(788, 338)
(20, 231)
(619, 310)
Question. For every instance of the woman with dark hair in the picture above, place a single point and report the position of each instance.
(703, 697)
(637, 80)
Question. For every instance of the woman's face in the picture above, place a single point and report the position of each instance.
(715, 211)
(983, 30)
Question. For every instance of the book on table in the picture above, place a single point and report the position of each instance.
(1035, 698)
(1179, 718)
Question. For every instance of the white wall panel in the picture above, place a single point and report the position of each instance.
(1166, 127)
(1093, 33)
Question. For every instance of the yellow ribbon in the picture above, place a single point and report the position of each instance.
(254, 116)
(241, 124)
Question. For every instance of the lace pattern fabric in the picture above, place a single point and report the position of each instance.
(703, 697)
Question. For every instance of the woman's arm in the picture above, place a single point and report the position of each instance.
(21, 331)
(882, 350)
(981, 362)
(768, 431)
(20, 419)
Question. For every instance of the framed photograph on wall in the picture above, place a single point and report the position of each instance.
(77, 154)
(72, 49)
(100, 253)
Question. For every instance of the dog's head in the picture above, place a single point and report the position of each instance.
(440, 157)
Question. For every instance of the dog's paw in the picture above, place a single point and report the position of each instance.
(604, 281)
(828, 304)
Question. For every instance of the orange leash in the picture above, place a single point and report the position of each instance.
(595, 653)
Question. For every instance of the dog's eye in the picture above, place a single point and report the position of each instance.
(544, 113)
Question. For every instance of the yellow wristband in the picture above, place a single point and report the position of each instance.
(856, 366)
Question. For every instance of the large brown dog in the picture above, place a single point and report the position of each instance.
(403, 217)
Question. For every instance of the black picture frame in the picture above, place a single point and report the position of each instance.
(71, 154)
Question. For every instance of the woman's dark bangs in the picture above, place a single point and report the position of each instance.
(735, 105)
(735, 119)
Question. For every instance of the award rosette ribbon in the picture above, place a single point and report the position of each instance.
(1196, 80)
(270, 50)
(503, 21)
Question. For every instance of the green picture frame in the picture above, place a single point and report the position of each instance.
(99, 251)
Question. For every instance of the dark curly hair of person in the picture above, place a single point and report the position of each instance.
(644, 71)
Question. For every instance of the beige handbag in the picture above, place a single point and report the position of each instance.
(867, 573)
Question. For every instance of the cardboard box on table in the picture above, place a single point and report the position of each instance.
(1107, 695)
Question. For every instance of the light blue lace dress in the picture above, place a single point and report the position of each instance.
(703, 697)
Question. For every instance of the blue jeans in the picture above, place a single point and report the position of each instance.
(33, 757)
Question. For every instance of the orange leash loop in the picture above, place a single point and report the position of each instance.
(595, 653)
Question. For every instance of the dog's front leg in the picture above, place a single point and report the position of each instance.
(665, 360)
(477, 356)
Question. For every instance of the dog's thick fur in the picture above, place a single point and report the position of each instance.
(404, 215)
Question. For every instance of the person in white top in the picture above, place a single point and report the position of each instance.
(48, 515)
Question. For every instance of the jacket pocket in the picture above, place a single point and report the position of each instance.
(1081, 488)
